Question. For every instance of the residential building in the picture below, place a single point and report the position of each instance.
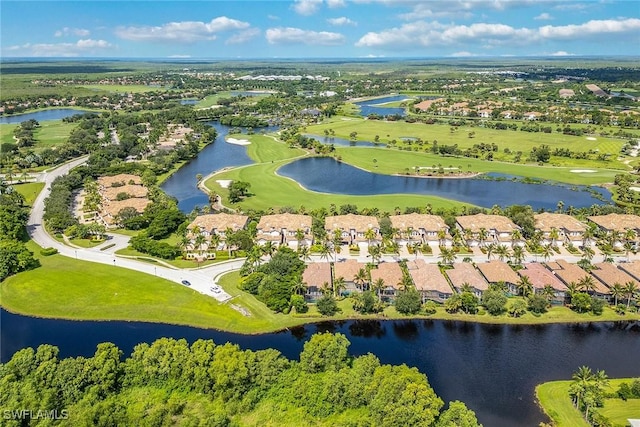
(609, 274)
(348, 270)
(212, 227)
(316, 276)
(110, 209)
(559, 228)
(391, 275)
(119, 180)
(497, 271)
(572, 273)
(464, 273)
(429, 281)
(285, 229)
(355, 229)
(540, 276)
(619, 224)
(482, 229)
(414, 227)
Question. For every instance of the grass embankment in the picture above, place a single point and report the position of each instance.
(29, 191)
(556, 403)
(270, 190)
(514, 140)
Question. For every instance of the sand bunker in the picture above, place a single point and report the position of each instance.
(238, 141)
(582, 171)
(224, 183)
(634, 188)
(590, 138)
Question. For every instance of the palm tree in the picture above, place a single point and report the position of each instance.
(254, 257)
(370, 235)
(572, 289)
(360, 278)
(628, 247)
(516, 237)
(466, 287)
(214, 240)
(482, 236)
(587, 284)
(299, 287)
(268, 248)
(581, 379)
(448, 256)
(617, 290)
(588, 235)
(338, 286)
(442, 237)
(518, 254)
(393, 247)
(547, 251)
(416, 247)
(490, 248)
(548, 292)
(199, 242)
(630, 288)
(525, 287)
(304, 253)
(554, 235)
(406, 282)
(377, 286)
(299, 236)
(376, 253)
(325, 250)
(326, 289)
(503, 252)
(588, 253)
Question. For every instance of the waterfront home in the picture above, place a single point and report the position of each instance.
(126, 191)
(119, 180)
(465, 273)
(355, 229)
(609, 274)
(414, 227)
(285, 229)
(349, 270)
(559, 228)
(429, 281)
(572, 273)
(110, 209)
(316, 276)
(482, 229)
(540, 277)
(212, 227)
(619, 224)
(632, 269)
(391, 275)
(497, 271)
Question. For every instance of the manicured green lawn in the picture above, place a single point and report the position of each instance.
(391, 161)
(556, 403)
(86, 243)
(514, 140)
(51, 133)
(6, 133)
(265, 148)
(29, 191)
(178, 262)
(212, 100)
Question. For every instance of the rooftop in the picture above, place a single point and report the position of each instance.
(220, 221)
(284, 221)
(540, 276)
(390, 272)
(123, 178)
(351, 221)
(317, 274)
(498, 271)
(465, 272)
(619, 222)
(417, 221)
(572, 273)
(111, 193)
(347, 269)
(488, 222)
(609, 274)
(427, 277)
(547, 221)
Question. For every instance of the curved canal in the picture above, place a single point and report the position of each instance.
(492, 368)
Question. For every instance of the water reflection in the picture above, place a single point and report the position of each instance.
(367, 329)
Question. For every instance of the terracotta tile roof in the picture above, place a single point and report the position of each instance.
(111, 193)
(465, 272)
(427, 277)
(631, 268)
(488, 222)
(347, 269)
(424, 105)
(284, 221)
(123, 178)
(498, 271)
(540, 276)
(351, 221)
(317, 273)
(569, 273)
(619, 222)
(609, 274)
(220, 222)
(417, 221)
(111, 209)
(390, 272)
(546, 221)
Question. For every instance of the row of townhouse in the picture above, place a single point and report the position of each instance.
(437, 285)
(111, 188)
(295, 230)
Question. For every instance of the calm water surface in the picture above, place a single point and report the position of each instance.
(372, 106)
(492, 368)
(41, 116)
(327, 175)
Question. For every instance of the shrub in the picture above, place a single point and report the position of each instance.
(327, 305)
(430, 307)
(48, 251)
(538, 304)
(408, 302)
(298, 302)
(597, 305)
(621, 309)
(518, 308)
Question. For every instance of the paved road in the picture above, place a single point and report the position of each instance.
(201, 279)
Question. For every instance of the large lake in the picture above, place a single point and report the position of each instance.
(327, 175)
(493, 369)
(41, 116)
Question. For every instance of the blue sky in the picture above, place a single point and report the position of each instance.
(318, 28)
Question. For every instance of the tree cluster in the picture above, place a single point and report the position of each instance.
(172, 382)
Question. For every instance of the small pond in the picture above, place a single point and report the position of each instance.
(327, 175)
(372, 106)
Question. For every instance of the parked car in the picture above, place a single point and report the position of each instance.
(186, 283)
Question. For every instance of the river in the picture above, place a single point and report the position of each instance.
(492, 368)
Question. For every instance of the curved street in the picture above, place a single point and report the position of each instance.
(201, 279)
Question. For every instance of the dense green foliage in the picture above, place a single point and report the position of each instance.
(327, 305)
(408, 302)
(172, 382)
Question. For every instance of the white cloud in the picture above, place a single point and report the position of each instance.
(66, 31)
(178, 56)
(79, 48)
(290, 35)
(343, 20)
(543, 17)
(307, 7)
(273, 17)
(455, 8)
(561, 53)
(243, 36)
(332, 4)
(182, 32)
(428, 34)
(463, 54)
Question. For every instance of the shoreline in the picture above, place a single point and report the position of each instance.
(464, 318)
